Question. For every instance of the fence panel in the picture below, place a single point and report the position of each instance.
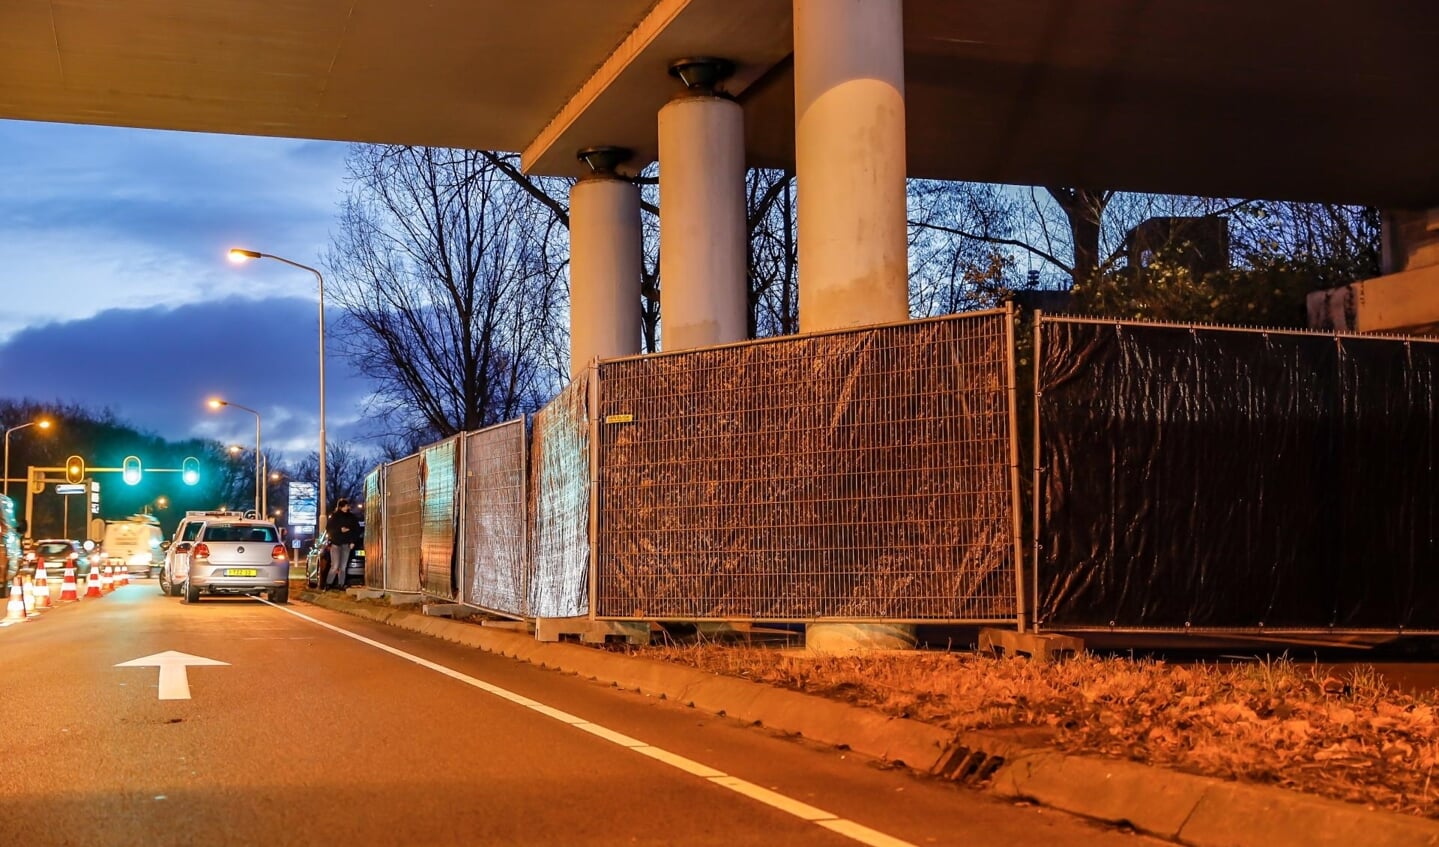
(374, 529)
(440, 511)
(559, 505)
(403, 498)
(858, 475)
(497, 571)
(1215, 478)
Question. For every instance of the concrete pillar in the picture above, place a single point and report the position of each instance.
(850, 162)
(703, 237)
(1409, 239)
(605, 267)
(850, 165)
(1406, 298)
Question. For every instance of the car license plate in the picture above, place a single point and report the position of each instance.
(240, 572)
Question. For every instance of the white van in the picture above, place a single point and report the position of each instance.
(134, 544)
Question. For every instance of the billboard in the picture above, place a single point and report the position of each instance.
(304, 513)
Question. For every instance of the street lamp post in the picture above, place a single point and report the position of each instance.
(240, 255)
(42, 423)
(217, 403)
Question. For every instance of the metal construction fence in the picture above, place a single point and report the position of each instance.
(495, 561)
(559, 505)
(374, 529)
(856, 475)
(402, 526)
(867, 474)
(1212, 478)
(439, 515)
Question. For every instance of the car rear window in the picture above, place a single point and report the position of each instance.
(240, 532)
(53, 549)
(191, 531)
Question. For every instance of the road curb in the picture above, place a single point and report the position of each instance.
(1184, 808)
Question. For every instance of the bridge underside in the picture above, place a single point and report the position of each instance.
(1328, 100)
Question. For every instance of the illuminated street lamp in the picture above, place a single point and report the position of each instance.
(42, 423)
(240, 255)
(217, 403)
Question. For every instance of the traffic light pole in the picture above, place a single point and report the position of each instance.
(36, 476)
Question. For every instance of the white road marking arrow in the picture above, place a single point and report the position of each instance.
(174, 684)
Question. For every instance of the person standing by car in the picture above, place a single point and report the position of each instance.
(344, 530)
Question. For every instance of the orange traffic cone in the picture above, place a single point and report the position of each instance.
(15, 609)
(122, 575)
(68, 591)
(42, 587)
(107, 580)
(92, 582)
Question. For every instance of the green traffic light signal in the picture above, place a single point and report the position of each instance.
(130, 470)
(190, 470)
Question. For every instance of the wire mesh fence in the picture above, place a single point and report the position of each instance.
(403, 490)
(497, 575)
(559, 505)
(374, 529)
(855, 475)
(440, 509)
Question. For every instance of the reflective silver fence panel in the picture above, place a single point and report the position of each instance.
(559, 505)
(374, 529)
(440, 500)
(497, 567)
(856, 475)
(402, 525)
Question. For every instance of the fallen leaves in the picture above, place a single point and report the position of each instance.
(1295, 726)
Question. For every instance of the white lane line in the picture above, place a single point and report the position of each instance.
(805, 812)
(788, 805)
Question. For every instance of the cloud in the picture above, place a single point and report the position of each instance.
(93, 218)
(155, 367)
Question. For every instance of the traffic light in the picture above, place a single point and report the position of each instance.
(74, 469)
(131, 471)
(190, 470)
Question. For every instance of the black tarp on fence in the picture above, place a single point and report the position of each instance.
(1235, 479)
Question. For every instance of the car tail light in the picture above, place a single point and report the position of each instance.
(200, 551)
(278, 553)
(182, 547)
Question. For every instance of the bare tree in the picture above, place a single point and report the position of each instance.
(453, 284)
(345, 471)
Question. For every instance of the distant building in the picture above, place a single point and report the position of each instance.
(1200, 244)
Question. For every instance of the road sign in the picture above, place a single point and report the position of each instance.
(174, 683)
(70, 488)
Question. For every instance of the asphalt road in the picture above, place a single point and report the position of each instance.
(322, 729)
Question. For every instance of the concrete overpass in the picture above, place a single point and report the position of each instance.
(1296, 99)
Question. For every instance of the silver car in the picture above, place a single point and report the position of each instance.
(232, 556)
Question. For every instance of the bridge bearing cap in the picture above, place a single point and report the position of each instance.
(701, 74)
(603, 160)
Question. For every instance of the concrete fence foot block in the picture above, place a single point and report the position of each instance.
(592, 631)
(448, 610)
(1041, 647)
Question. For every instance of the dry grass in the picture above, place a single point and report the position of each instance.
(1275, 722)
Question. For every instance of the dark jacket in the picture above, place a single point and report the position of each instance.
(344, 528)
